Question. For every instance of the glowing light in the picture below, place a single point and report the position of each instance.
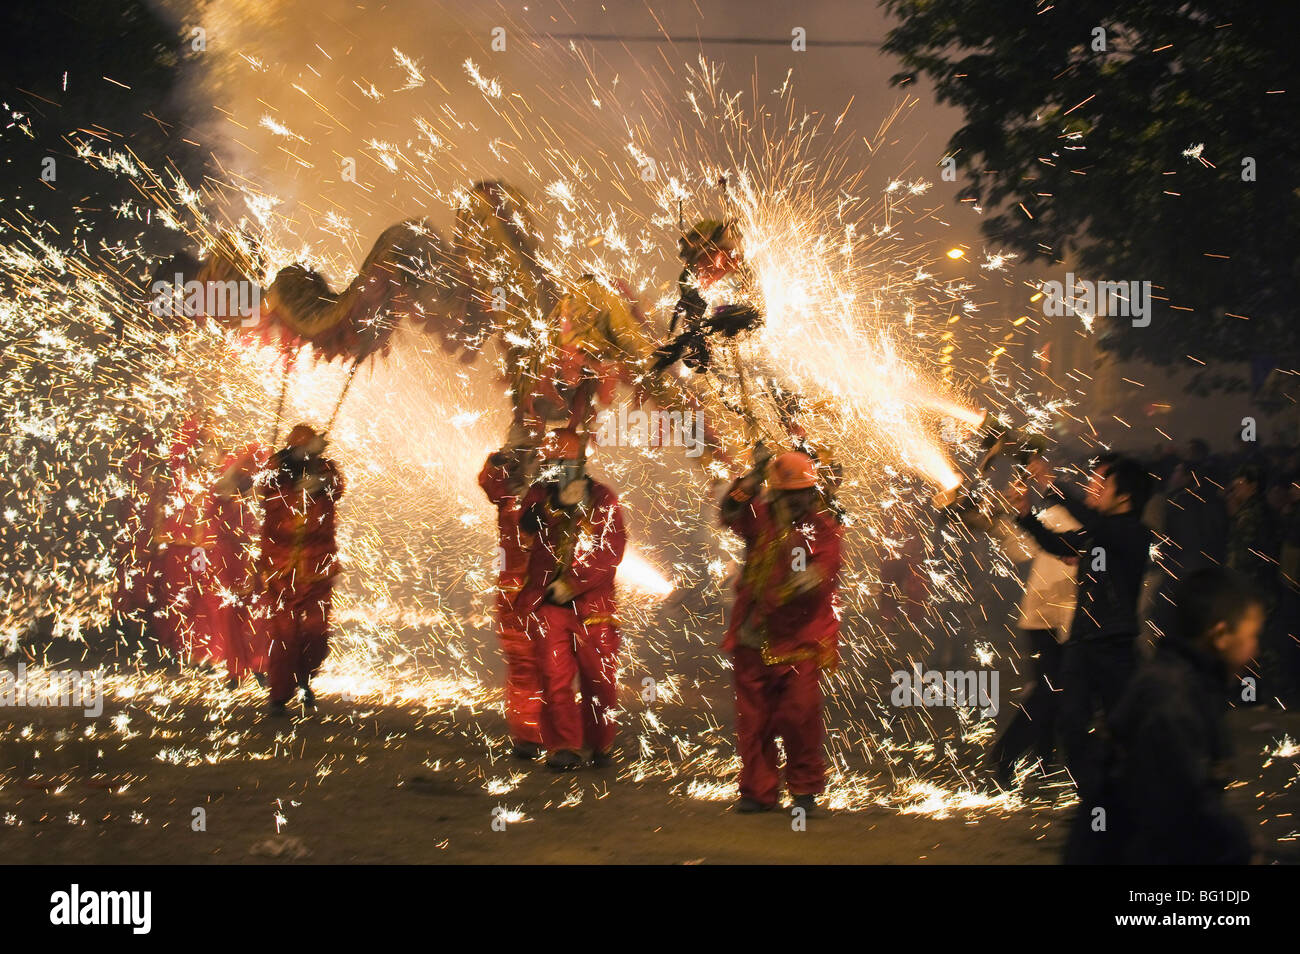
(638, 573)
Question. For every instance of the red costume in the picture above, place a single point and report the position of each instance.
(233, 517)
(298, 565)
(784, 630)
(523, 676)
(580, 548)
(189, 615)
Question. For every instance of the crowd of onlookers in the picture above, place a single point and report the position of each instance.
(1239, 510)
(1157, 592)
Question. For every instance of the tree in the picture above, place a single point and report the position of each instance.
(85, 73)
(1149, 140)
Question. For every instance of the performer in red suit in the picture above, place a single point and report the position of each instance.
(579, 540)
(504, 480)
(189, 605)
(784, 627)
(298, 563)
(234, 515)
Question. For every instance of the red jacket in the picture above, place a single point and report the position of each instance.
(792, 626)
(514, 544)
(298, 532)
(582, 546)
(233, 516)
(183, 523)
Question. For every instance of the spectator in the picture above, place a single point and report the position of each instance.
(1162, 799)
(1112, 548)
(1046, 611)
(1250, 550)
(1252, 553)
(1287, 620)
(1195, 522)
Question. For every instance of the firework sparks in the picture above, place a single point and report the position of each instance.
(855, 323)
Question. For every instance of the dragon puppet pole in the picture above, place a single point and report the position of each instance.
(753, 433)
(286, 364)
(352, 373)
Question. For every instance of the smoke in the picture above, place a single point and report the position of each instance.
(330, 122)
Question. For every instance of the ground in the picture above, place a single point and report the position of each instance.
(413, 784)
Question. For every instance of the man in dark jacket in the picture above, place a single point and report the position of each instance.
(1112, 548)
(1169, 747)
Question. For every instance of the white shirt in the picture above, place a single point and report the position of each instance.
(1050, 588)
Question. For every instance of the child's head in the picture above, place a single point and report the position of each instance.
(1222, 614)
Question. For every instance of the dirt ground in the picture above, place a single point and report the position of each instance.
(409, 785)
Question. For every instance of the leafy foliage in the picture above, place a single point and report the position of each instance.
(1127, 161)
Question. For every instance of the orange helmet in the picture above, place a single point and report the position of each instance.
(793, 470)
(562, 444)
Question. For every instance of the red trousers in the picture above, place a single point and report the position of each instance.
(523, 674)
(299, 631)
(771, 701)
(572, 649)
(190, 620)
(247, 648)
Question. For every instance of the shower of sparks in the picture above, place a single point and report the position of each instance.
(856, 323)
